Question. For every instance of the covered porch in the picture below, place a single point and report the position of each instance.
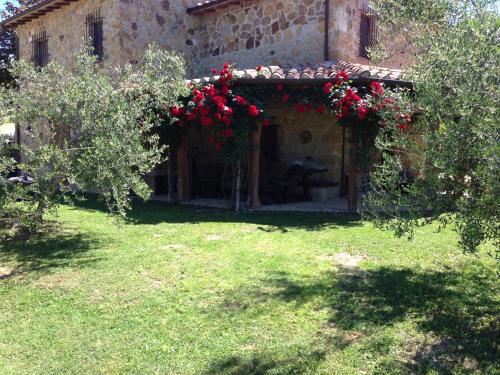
(300, 161)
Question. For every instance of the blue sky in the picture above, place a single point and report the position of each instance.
(2, 3)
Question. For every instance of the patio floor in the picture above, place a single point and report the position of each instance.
(334, 205)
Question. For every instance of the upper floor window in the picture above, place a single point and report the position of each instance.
(368, 33)
(40, 49)
(95, 34)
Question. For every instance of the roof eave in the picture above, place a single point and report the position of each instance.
(34, 12)
(310, 81)
(209, 6)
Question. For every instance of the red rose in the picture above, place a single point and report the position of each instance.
(285, 98)
(228, 133)
(218, 146)
(403, 126)
(321, 109)
(176, 111)
(328, 88)
(279, 87)
(206, 121)
(225, 90)
(226, 65)
(376, 88)
(266, 122)
(229, 111)
(240, 100)
(253, 111)
(211, 139)
(341, 77)
(199, 97)
(300, 108)
(362, 112)
(259, 68)
(210, 90)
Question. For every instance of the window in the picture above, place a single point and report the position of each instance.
(40, 49)
(95, 34)
(368, 33)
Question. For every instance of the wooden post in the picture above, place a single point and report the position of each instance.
(254, 170)
(170, 175)
(237, 192)
(184, 183)
(352, 203)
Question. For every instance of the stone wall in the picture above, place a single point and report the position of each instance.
(326, 144)
(267, 32)
(164, 22)
(345, 31)
(66, 30)
(279, 32)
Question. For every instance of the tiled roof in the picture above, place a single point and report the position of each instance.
(210, 4)
(323, 71)
(36, 9)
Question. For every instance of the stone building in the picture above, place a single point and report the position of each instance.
(297, 41)
(245, 32)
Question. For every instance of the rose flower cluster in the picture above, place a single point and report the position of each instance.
(216, 107)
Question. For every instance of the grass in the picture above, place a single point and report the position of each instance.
(184, 291)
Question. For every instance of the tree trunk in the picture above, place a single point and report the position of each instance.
(254, 170)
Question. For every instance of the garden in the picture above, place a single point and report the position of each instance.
(197, 291)
(97, 278)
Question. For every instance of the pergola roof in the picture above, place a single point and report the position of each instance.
(325, 71)
(34, 11)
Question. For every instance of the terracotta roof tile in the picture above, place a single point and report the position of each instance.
(323, 71)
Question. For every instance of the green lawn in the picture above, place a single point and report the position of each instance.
(184, 291)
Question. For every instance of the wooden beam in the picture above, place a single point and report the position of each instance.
(254, 171)
(34, 12)
(184, 182)
(352, 203)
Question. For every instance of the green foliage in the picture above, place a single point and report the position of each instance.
(91, 127)
(454, 144)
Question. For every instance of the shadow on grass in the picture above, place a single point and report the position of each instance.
(459, 309)
(53, 247)
(151, 213)
(299, 362)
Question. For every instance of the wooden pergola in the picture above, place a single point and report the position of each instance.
(360, 75)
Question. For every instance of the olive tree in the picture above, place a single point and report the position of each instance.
(452, 147)
(88, 128)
